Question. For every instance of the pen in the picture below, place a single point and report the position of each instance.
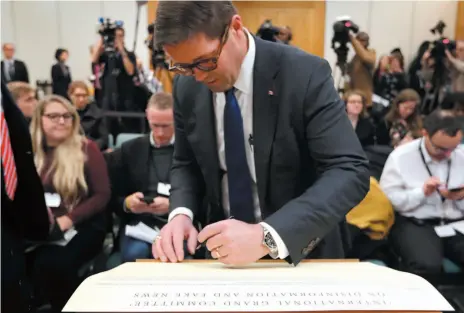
(203, 244)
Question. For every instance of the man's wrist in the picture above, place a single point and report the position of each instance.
(126, 205)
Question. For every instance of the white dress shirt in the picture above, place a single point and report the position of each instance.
(9, 65)
(244, 95)
(404, 175)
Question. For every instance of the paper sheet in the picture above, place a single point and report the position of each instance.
(458, 226)
(142, 232)
(213, 287)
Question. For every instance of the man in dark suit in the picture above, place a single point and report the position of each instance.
(13, 70)
(24, 212)
(139, 173)
(261, 131)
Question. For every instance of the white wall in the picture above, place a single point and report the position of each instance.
(38, 28)
(390, 24)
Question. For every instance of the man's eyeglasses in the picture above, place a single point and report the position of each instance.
(439, 149)
(205, 65)
(56, 117)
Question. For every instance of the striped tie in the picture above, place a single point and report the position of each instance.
(8, 162)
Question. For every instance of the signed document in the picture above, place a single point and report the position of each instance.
(269, 287)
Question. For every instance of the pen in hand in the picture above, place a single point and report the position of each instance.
(203, 244)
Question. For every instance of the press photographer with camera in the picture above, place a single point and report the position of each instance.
(457, 67)
(361, 67)
(439, 70)
(119, 64)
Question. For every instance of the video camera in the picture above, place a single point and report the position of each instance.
(267, 31)
(438, 51)
(441, 44)
(341, 29)
(158, 56)
(107, 29)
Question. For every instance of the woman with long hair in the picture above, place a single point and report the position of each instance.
(77, 190)
(403, 122)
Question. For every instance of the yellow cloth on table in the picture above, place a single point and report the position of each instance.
(375, 214)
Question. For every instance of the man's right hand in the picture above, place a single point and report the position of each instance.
(431, 185)
(135, 204)
(169, 245)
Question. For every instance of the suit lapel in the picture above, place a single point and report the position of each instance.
(265, 112)
(202, 135)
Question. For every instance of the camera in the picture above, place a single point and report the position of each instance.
(439, 47)
(158, 56)
(107, 30)
(341, 29)
(267, 31)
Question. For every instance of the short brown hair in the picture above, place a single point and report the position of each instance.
(357, 92)
(161, 101)
(77, 84)
(18, 89)
(177, 21)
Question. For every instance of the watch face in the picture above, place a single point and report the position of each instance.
(269, 241)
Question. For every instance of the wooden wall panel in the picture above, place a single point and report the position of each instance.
(305, 18)
(460, 21)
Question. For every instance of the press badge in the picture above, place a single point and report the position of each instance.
(163, 189)
(52, 200)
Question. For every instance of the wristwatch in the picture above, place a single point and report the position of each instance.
(269, 242)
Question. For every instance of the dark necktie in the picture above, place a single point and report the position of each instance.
(11, 70)
(238, 173)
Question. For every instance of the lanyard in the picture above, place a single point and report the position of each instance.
(428, 169)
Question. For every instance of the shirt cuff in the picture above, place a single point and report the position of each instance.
(281, 247)
(418, 195)
(180, 210)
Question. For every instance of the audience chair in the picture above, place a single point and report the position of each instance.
(123, 137)
(110, 141)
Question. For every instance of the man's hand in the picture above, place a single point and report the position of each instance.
(169, 245)
(431, 185)
(135, 204)
(234, 242)
(160, 205)
(64, 222)
(454, 196)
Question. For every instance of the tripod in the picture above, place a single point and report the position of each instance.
(341, 64)
(433, 95)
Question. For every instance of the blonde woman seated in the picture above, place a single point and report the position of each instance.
(77, 188)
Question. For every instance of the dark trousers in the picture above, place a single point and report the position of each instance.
(55, 268)
(419, 247)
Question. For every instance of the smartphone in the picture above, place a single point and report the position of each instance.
(147, 199)
(457, 189)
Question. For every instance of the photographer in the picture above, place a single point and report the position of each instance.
(361, 67)
(123, 69)
(457, 67)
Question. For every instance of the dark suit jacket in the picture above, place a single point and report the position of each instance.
(60, 80)
(310, 167)
(94, 125)
(24, 218)
(20, 74)
(129, 173)
(366, 132)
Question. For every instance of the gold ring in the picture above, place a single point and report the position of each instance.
(218, 254)
(157, 238)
